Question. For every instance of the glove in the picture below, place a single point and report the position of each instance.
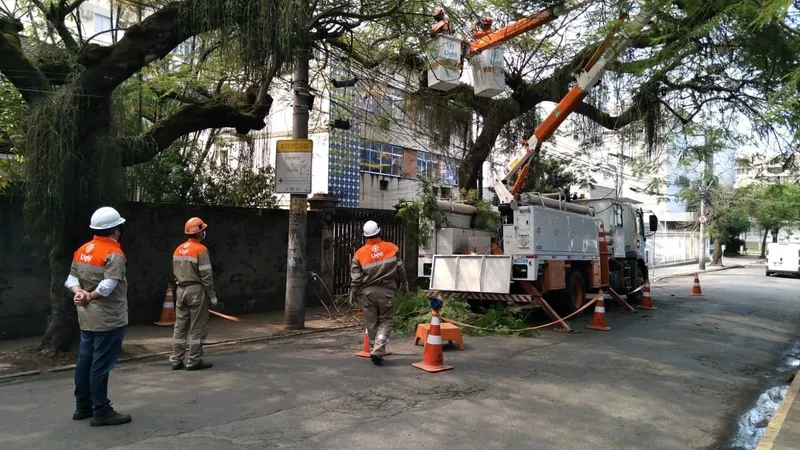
(214, 301)
(404, 289)
(436, 303)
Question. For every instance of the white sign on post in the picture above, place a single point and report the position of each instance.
(293, 166)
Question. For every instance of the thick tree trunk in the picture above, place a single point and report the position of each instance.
(775, 234)
(472, 165)
(716, 259)
(62, 326)
(764, 244)
(96, 164)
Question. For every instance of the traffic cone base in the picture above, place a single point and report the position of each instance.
(167, 309)
(365, 349)
(696, 291)
(647, 300)
(599, 318)
(432, 354)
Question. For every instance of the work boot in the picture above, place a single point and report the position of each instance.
(200, 366)
(109, 417)
(376, 359)
(178, 366)
(81, 414)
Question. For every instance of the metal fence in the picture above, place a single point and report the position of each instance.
(348, 236)
(672, 247)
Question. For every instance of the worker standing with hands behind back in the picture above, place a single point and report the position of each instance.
(191, 266)
(377, 273)
(97, 280)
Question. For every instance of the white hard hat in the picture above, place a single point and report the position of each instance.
(371, 229)
(105, 218)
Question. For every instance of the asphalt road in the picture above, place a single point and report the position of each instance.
(675, 378)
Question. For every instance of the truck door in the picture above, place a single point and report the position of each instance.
(619, 230)
(641, 239)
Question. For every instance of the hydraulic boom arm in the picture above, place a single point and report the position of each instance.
(521, 26)
(608, 51)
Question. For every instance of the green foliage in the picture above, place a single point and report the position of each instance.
(265, 30)
(423, 216)
(548, 174)
(66, 174)
(173, 177)
(771, 206)
(416, 309)
(11, 114)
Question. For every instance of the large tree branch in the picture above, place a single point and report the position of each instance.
(143, 43)
(190, 119)
(14, 65)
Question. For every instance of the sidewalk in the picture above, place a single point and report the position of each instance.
(783, 431)
(20, 355)
(730, 262)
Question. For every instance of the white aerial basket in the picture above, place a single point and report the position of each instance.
(487, 72)
(444, 62)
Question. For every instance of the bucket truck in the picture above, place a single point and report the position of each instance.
(547, 246)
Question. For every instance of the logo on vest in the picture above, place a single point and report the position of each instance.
(376, 252)
(89, 248)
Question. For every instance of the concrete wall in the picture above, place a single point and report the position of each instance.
(248, 254)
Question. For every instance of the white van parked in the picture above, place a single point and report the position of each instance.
(783, 258)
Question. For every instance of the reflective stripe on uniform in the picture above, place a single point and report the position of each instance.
(87, 267)
(379, 263)
(204, 267)
(185, 258)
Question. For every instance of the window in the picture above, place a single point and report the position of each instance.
(427, 166)
(385, 102)
(449, 172)
(101, 23)
(380, 158)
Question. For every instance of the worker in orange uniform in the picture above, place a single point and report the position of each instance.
(377, 274)
(97, 280)
(191, 266)
(442, 25)
(482, 28)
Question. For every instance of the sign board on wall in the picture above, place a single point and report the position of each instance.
(293, 166)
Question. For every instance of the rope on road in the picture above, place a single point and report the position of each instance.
(517, 330)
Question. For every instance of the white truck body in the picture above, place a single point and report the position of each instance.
(782, 258)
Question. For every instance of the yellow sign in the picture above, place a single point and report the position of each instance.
(295, 146)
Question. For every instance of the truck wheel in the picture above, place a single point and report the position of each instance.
(575, 294)
(638, 280)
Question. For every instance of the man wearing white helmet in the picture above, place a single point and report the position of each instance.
(377, 273)
(97, 280)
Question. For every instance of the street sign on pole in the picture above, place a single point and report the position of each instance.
(703, 219)
(293, 166)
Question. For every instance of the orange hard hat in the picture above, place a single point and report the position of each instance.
(194, 225)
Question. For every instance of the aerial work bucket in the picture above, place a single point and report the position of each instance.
(444, 62)
(487, 73)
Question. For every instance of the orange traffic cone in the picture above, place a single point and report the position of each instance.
(599, 317)
(168, 309)
(365, 350)
(432, 355)
(647, 300)
(696, 291)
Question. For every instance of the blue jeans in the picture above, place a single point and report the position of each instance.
(97, 355)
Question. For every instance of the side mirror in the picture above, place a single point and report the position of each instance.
(653, 223)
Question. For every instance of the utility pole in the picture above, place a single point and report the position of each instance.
(703, 248)
(296, 278)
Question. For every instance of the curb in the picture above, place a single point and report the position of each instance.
(224, 343)
(778, 419)
(690, 273)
